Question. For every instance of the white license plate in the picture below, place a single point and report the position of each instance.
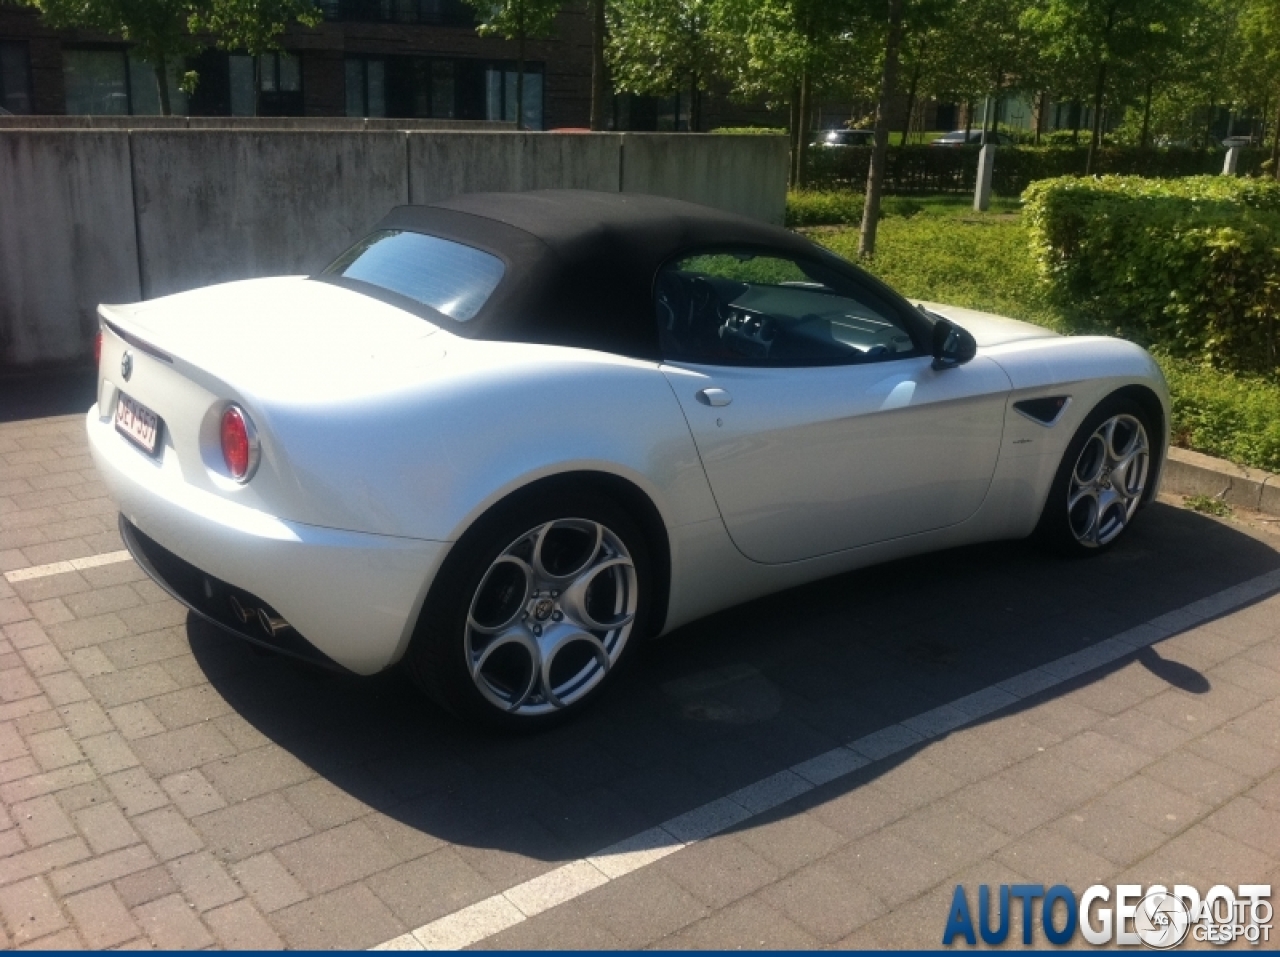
(137, 423)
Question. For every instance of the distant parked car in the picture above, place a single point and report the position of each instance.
(957, 138)
(847, 138)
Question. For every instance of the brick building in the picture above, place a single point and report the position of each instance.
(396, 58)
(393, 58)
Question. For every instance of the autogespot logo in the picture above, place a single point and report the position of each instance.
(1154, 916)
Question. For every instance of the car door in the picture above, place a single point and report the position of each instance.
(820, 421)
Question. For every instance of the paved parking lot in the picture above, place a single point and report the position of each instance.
(1012, 718)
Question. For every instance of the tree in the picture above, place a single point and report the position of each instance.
(880, 152)
(1260, 33)
(252, 26)
(517, 20)
(662, 46)
(793, 51)
(1106, 38)
(158, 30)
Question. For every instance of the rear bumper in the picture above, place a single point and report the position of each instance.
(354, 596)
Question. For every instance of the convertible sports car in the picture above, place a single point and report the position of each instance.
(504, 438)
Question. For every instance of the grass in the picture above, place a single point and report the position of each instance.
(947, 253)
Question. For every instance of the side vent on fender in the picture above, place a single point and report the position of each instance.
(1045, 411)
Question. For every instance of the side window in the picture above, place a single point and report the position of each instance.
(745, 307)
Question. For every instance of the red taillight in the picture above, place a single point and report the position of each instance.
(97, 349)
(239, 444)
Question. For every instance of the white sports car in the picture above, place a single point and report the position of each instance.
(504, 438)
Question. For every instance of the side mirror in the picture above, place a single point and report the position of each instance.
(952, 346)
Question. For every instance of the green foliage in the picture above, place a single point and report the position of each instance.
(158, 29)
(253, 26)
(1190, 265)
(512, 19)
(1207, 505)
(662, 46)
(823, 207)
(1230, 415)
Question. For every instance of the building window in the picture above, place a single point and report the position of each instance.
(500, 95)
(403, 87)
(108, 82)
(266, 85)
(15, 77)
(366, 86)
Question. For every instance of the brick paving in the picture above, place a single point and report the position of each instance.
(161, 784)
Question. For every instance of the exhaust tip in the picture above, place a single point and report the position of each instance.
(271, 624)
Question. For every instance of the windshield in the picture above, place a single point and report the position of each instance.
(449, 277)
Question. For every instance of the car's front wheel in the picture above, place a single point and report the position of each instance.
(534, 612)
(1102, 480)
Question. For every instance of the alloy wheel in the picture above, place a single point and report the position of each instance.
(551, 616)
(1108, 480)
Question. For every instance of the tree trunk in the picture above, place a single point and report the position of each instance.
(1077, 114)
(1042, 106)
(968, 119)
(162, 86)
(695, 105)
(1208, 127)
(597, 65)
(806, 110)
(1096, 131)
(257, 85)
(880, 153)
(911, 96)
(1275, 147)
(520, 42)
(1146, 116)
(794, 136)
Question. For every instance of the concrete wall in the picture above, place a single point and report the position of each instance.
(213, 206)
(743, 174)
(90, 216)
(67, 241)
(444, 166)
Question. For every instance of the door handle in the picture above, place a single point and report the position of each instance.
(713, 397)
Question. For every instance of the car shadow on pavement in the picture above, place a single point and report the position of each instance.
(39, 394)
(741, 695)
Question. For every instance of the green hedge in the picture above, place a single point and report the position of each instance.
(1189, 265)
(950, 169)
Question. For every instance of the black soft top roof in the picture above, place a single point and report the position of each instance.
(580, 265)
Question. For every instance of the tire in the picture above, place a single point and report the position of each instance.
(1088, 510)
(535, 612)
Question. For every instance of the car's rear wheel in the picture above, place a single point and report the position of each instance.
(535, 611)
(1102, 480)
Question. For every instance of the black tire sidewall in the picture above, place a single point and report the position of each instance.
(436, 658)
(1054, 528)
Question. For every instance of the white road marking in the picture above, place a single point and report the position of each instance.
(494, 914)
(61, 568)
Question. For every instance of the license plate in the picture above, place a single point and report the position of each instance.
(137, 423)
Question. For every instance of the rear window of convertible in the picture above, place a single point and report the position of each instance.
(449, 277)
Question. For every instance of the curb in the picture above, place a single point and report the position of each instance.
(1192, 473)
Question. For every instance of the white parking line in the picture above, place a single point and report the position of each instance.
(60, 568)
(494, 914)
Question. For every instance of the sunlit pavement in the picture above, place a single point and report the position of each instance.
(163, 784)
